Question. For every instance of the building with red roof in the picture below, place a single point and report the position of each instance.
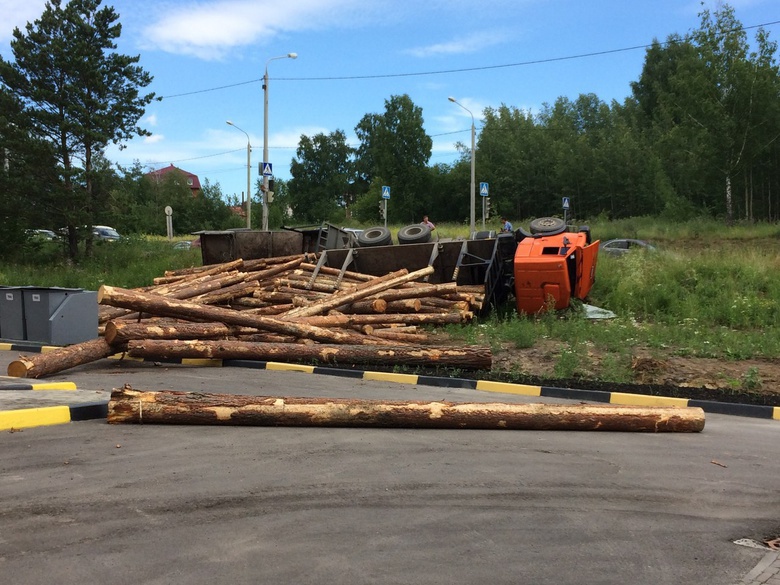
(191, 180)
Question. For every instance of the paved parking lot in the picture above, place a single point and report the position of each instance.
(92, 502)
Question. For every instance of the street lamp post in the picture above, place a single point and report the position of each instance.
(472, 227)
(265, 134)
(248, 177)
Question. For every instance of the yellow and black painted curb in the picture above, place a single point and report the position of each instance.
(25, 418)
(10, 383)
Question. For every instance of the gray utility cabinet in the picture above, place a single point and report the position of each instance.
(56, 316)
(60, 316)
(11, 312)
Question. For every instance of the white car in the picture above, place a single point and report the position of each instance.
(106, 233)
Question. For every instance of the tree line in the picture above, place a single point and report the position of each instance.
(698, 135)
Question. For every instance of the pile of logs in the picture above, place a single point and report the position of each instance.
(277, 309)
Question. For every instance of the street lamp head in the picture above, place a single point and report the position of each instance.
(292, 55)
(452, 99)
(229, 123)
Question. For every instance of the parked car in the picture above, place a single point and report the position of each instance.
(42, 234)
(622, 246)
(105, 233)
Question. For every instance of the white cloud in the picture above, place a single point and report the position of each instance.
(209, 30)
(462, 45)
(154, 139)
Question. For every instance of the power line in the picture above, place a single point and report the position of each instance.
(448, 71)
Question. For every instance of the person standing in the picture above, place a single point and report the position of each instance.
(428, 222)
(506, 227)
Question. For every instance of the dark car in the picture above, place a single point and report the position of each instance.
(621, 246)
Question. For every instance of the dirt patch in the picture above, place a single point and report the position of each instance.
(750, 381)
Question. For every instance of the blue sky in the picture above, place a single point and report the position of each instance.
(208, 58)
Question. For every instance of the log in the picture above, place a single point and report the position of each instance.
(123, 331)
(385, 319)
(336, 272)
(188, 289)
(364, 307)
(268, 272)
(400, 336)
(51, 362)
(166, 307)
(404, 306)
(426, 290)
(472, 357)
(223, 295)
(325, 287)
(360, 292)
(198, 271)
(133, 406)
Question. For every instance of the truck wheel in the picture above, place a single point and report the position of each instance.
(375, 236)
(547, 226)
(586, 230)
(484, 235)
(414, 234)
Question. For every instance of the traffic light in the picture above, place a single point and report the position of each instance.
(382, 213)
(269, 196)
(487, 206)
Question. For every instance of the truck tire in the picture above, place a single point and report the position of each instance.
(586, 230)
(484, 235)
(547, 226)
(375, 236)
(414, 234)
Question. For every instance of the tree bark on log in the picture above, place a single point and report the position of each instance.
(133, 406)
(166, 307)
(472, 357)
(386, 319)
(427, 290)
(360, 292)
(348, 275)
(124, 331)
(52, 362)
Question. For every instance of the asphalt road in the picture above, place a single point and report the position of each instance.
(88, 502)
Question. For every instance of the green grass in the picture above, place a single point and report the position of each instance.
(127, 263)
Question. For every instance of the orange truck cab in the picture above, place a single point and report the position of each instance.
(552, 265)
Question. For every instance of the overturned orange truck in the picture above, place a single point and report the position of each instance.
(552, 265)
(541, 269)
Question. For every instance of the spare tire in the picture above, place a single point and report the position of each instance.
(375, 236)
(414, 234)
(547, 226)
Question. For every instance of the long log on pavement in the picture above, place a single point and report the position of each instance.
(168, 407)
(64, 358)
(167, 307)
(472, 357)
